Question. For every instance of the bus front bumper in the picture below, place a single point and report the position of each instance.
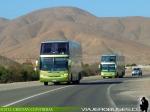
(108, 74)
(53, 77)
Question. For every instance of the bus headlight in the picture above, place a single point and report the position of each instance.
(64, 75)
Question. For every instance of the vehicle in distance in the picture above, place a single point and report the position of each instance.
(136, 72)
(112, 66)
(60, 61)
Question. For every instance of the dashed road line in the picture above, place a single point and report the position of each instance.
(39, 94)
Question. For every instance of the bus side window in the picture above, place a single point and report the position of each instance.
(61, 50)
(69, 62)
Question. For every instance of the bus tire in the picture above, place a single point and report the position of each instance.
(121, 76)
(70, 78)
(117, 76)
(56, 83)
(45, 83)
(76, 82)
(68, 82)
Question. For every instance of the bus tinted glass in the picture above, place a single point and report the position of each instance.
(55, 48)
(53, 64)
(108, 67)
(108, 59)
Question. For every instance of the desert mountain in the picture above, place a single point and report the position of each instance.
(3, 21)
(7, 62)
(21, 37)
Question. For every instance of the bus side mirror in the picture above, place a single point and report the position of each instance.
(36, 63)
(99, 66)
(69, 62)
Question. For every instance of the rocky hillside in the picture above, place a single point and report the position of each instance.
(7, 62)
(21, 37)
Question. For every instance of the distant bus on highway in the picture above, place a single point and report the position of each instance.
(112, 66)
(60, 61)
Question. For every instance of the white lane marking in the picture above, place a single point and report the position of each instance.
(109, 96)
(18, 101)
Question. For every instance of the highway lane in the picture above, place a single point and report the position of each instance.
(87, 93)
(79, 95)
(9, 96)
(129, 93)
(91, 93)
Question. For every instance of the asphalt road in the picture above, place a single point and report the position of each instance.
(89, 93)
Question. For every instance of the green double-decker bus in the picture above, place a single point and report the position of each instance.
(112, 66)
(60, 61)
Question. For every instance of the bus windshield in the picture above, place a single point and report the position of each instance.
(108, 59)
(55, 48)
(53, 64)
(108, 67)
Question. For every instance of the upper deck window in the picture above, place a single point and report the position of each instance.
(108, 59)
(55, 48)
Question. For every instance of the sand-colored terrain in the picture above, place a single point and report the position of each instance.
(20, 38)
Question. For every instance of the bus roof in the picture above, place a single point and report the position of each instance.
(55, 41)
(63, 41)
(110, 55)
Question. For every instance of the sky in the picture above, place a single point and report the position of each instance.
(11, 9)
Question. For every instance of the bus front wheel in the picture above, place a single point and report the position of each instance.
(56, 83)
(45, 83)
(76, 82)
